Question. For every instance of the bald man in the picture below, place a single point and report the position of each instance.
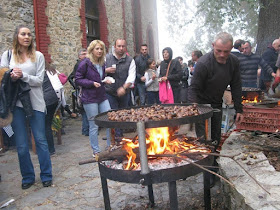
(213, 73)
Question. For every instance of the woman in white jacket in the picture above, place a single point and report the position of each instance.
(29, 66)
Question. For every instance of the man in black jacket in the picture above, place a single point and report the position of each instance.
(81, 55)
(270, 56)
(213, 73)
(141, 66)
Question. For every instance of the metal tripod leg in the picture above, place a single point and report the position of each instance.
(173, 195)
(207, 192)
(105, 191)
(151, 196)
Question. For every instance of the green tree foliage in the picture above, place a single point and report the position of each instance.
(205, 18)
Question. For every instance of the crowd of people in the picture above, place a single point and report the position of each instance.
(104, 81)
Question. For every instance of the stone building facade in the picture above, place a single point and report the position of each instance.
(61, 28)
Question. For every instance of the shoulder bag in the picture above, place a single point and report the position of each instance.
(165, 90)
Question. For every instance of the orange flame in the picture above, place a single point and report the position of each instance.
(158, 140)
(255, 100)
(158, 143)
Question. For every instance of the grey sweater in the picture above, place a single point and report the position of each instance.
(151, 85)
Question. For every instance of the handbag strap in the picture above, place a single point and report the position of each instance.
(9, 55)
(167, 71)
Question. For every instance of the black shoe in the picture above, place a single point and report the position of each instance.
(52, 153)
(26, 185)
(104, 138)
(47, 183)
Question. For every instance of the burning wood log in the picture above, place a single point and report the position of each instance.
(118, 154)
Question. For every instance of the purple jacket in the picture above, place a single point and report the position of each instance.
(85, 76)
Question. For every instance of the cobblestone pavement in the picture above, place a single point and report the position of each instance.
(79, 187)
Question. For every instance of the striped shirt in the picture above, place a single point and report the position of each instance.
(249, 65)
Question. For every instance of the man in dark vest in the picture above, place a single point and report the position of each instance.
(141, 66)
(122, 68)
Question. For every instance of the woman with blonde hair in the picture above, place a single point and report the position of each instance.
(29, 67)
(90, 76)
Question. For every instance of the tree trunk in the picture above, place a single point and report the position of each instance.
(268, 26)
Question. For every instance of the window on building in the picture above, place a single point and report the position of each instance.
(92, 20)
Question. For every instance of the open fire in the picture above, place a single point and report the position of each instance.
(160, 143)
(250, 100)
(251, 95)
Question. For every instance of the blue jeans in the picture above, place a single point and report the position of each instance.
(92, 110)
(116, 103)
(142, 93)
(153, 97)
(85, 124)
(37, 123)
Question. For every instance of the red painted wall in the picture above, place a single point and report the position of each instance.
(83, 23)
(41, 21)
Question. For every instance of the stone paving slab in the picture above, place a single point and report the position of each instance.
(246, 193)
(79, 187)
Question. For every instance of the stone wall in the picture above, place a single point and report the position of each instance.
(115, 20)
(12, 14)
(65, 33)
(149, 18)
(129, 28)
(64, 26)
